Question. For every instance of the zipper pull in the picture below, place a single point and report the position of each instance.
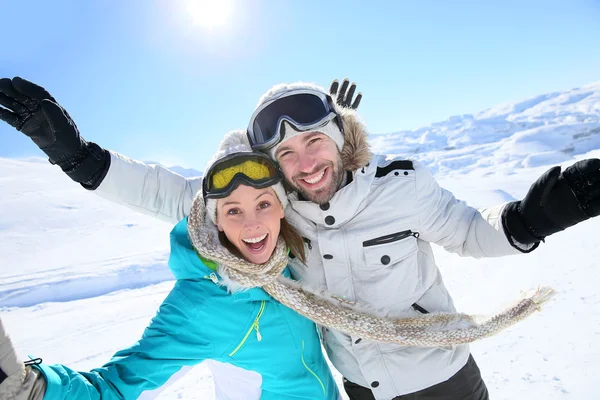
(308, 242)
(258, 335)
(213, 277)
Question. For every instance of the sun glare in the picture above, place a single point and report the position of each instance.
(209, 13)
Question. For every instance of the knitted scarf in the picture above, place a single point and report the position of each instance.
(427, 330)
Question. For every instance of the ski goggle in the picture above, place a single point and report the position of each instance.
(304, 109)
(252, 169)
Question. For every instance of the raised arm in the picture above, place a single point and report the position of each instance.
(156, 191)
(164, 349)
(456, 226)
(149, 189)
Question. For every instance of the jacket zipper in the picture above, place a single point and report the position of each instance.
(213, 277)
(311, 371)
(393, 237)
(308, 242)
(253, 327)
(420, 309)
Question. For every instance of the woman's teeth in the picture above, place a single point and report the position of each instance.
(255, 239)
(315, 179)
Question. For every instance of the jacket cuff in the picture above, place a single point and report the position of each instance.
(54, 383)
(510, 214)
(93, 182)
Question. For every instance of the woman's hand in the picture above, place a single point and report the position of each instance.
(30, 109)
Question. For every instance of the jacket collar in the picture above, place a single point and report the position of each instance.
(343, 206)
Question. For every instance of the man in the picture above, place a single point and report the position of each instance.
(367, 222)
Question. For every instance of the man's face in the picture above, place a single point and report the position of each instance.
(312, 165)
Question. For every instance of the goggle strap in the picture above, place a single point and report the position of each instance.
(236, 181)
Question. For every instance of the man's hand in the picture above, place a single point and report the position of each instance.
(555, 202)
(343, 98)
(33, 111)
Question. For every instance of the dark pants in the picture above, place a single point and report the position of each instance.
(466, 384)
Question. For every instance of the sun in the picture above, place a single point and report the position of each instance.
(209, 13)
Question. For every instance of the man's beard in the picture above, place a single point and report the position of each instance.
(323, 195)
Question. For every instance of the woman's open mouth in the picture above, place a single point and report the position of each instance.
(256, 244)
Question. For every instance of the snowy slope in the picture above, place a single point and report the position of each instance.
(59, 242)
(81, 277)
(550, 128)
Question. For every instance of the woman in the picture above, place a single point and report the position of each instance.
(269, 350)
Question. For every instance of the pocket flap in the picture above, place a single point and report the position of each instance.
(390, 253)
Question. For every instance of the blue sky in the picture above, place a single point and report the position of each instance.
(144, 78)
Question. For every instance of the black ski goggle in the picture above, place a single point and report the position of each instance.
(252, 169)
(304, 109)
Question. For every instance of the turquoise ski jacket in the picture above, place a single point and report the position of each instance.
(201, 320)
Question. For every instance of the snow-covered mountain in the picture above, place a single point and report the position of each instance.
(183, 171)
(550, 128)
(81, 277)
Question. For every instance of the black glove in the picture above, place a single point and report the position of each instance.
(32, 110)
(555, 202)
(342, 98)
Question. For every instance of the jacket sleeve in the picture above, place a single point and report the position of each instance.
(456, 226)
(169, 343)
(149, 189)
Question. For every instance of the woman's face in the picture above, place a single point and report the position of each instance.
(251, 219)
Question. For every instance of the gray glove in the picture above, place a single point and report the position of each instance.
(343, 95)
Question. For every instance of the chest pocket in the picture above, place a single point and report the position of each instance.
(388, 250)
(391, 274)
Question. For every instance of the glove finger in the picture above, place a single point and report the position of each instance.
(333, 88)
(342, 92)
(7, 88)
(10, 118)
(350, 94)
(56, 116)
(12, 104)
(356, 103)
(589, 169)
(541, 188)
(31, 90)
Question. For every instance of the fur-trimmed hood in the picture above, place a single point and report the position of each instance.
(356, 152)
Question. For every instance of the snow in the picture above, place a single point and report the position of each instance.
(81, 277)
(547, 129)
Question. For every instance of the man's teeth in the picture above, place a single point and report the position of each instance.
(315, 179)
(256, 239)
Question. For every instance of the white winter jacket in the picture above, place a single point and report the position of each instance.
(371, 243)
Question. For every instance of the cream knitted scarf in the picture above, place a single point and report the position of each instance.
(427, 330)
